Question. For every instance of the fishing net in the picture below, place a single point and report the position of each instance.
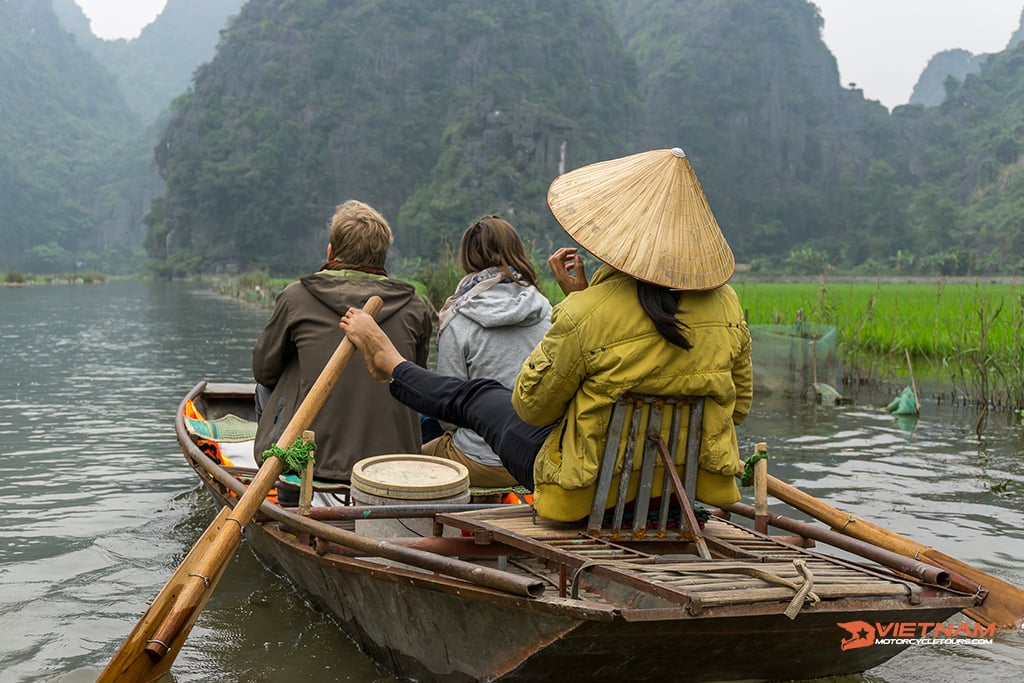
(904, 404)
(296, 480)
(504, 494)
(789, 358)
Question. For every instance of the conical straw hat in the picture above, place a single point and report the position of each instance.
(647, 216)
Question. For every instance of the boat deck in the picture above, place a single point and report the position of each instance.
(662, 576)
(505, 596)
(748, 568)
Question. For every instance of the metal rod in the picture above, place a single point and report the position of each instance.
(905, 565)
(627, 469)
(346, 512)
(604, 480)
(642, 502)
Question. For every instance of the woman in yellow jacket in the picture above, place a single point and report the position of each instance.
(657, 318)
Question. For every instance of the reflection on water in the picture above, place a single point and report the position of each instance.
(100, 508)
(932, 479)
(939, 482)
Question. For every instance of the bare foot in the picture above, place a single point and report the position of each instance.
(379, 353)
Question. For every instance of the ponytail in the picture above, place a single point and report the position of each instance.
(661, 305)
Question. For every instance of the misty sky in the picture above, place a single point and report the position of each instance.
(884, 45)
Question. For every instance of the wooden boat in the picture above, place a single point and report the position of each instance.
(512, 597)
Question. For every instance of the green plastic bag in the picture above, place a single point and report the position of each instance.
(904, 404)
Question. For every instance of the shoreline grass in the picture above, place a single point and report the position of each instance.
(969, 334)
(15, 278)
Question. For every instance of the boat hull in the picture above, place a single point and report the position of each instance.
(421, 633)
(425, 626)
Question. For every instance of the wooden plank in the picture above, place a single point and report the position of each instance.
(694, 583)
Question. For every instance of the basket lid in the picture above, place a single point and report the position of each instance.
(410, 477)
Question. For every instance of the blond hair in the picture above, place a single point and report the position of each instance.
(360, 236)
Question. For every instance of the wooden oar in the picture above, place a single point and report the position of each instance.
(149, 650)
(1004, 603)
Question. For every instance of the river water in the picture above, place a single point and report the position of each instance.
(99, 507)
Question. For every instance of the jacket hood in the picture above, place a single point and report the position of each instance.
(507, 304)
(339, 292)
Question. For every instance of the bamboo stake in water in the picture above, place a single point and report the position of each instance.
(913, 384)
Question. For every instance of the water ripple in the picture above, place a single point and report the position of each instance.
(100, 507)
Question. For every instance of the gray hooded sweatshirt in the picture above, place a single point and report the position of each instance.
(491, 336)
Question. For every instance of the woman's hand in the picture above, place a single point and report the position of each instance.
(567, 266)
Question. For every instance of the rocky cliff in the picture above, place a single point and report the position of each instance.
(63, 149)
(434, 113)
(156, 67)
(930, 89)
(752, 94)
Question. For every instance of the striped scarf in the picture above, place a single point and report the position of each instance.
(470, 286)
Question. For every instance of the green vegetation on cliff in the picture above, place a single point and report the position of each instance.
(434, 113)
(62, 143)
(439, 112)
(156, 67)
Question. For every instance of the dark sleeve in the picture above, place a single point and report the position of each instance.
(426, 325)
(274, 347)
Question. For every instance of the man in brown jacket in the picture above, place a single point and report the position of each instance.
(360, 418)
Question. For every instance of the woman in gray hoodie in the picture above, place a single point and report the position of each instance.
(487, 329)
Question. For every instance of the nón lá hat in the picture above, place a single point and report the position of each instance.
(647, 216)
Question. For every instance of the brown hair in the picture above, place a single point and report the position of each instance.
(492, 242)
(359, 235)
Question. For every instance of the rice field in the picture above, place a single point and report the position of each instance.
(969, 334)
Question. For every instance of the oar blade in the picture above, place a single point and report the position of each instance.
(167, 622)
(131, 662)
(1004, 603)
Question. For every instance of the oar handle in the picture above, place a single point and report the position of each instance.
(228, 537)
(843, 522)
(310, 407)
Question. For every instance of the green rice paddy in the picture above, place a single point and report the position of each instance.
(971, 334)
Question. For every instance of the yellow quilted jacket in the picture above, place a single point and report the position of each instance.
(602, 344)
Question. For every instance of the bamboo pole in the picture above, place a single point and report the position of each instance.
(306, 487)
(913, 384)
(761, 490)
(149, 650)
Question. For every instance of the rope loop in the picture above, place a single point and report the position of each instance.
(748, 468)
(295, 457)
(206, 579)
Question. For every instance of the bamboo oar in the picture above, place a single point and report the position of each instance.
(923, 571)
(149, 650)
(1003, 605)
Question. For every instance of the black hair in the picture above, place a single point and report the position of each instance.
(661, 305)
